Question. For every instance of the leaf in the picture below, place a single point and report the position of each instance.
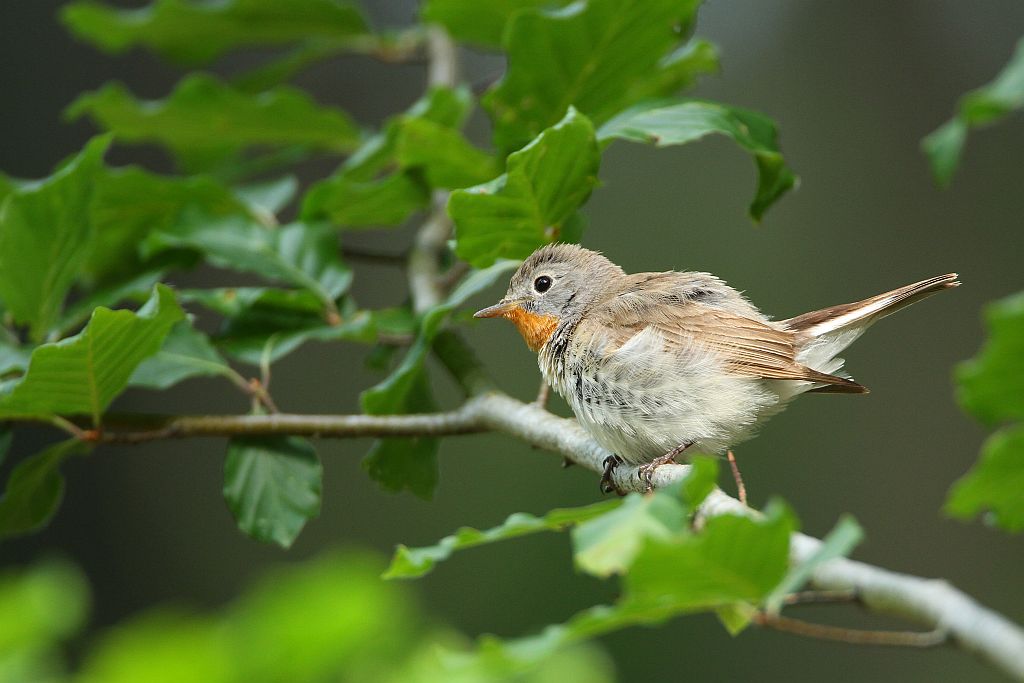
(301, 254)
(41, 605)
(205, 121)
(135, 289)
(995, 483)
(733, 559)
(404, 463)
(595, 55)
(269, 197)
(13, 358)
(194, 33)
(608, 544)
(401, 463)
(265, 324)
(990, 386)
(542, 187)
(409, 563)
(186, 353)
(366, 191)
(81, 375)
(34, 489)
(676, 71)
(676, 122)
(45, 238)
(980, 107)
(352, 203)
(843, 538)
(272, 486)
(131, 202)
(479, 23)
(448, 160)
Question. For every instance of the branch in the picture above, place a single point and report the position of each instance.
(426, 279)
(933, 604)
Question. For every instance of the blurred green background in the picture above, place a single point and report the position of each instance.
(853, 86)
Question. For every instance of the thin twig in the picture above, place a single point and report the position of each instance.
(821, 597)
(852, 636)
(741, 490)
(543, 394)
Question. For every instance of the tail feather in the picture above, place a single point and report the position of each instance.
(863, 313)
(821, 335)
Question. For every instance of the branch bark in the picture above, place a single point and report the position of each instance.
(426, 281)
(933, 604)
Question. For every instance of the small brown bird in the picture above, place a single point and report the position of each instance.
(653, 364)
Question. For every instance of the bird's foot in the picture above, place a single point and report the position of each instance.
(610, 463)
(646, 472)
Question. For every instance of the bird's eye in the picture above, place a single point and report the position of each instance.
(542, 284)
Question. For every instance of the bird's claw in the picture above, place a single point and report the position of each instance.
(610, 463)
(645, 473)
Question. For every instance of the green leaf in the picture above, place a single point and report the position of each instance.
(131, 202)
(272, 486)
(135, 289)
(352, 203)
(843, 538)
(676, 122)
(401, 463)
(409, 563)
(980, 107)
(264, 324)
(194, 33)
(595, 55)
(41, 605)
(366, 191)
(269, 197)
(45, 238)
(404, 464)
(677, 71)
(995, 483)
(186, 353)
(204, 121)
(529, 205)
(479, 23)
(34, 490)
(300, 253)
(521, 654)
(733, 559)
(13, 359)
(81, 375)
(448, 160)
(990, 386)
(608, 544)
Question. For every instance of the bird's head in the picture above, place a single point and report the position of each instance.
(557, 282)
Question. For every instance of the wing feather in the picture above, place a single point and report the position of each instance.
(695, 310)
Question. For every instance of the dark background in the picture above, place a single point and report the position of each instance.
(853, 86)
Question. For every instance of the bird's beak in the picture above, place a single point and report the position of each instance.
(498, 310)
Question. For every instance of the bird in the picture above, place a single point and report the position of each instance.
(655, 364)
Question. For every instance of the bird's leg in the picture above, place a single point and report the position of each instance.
(610, 463)
(645, 472)
(741, 490)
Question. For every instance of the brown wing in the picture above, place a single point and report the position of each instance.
(720, 320)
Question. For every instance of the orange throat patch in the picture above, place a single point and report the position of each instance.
(536, 329)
